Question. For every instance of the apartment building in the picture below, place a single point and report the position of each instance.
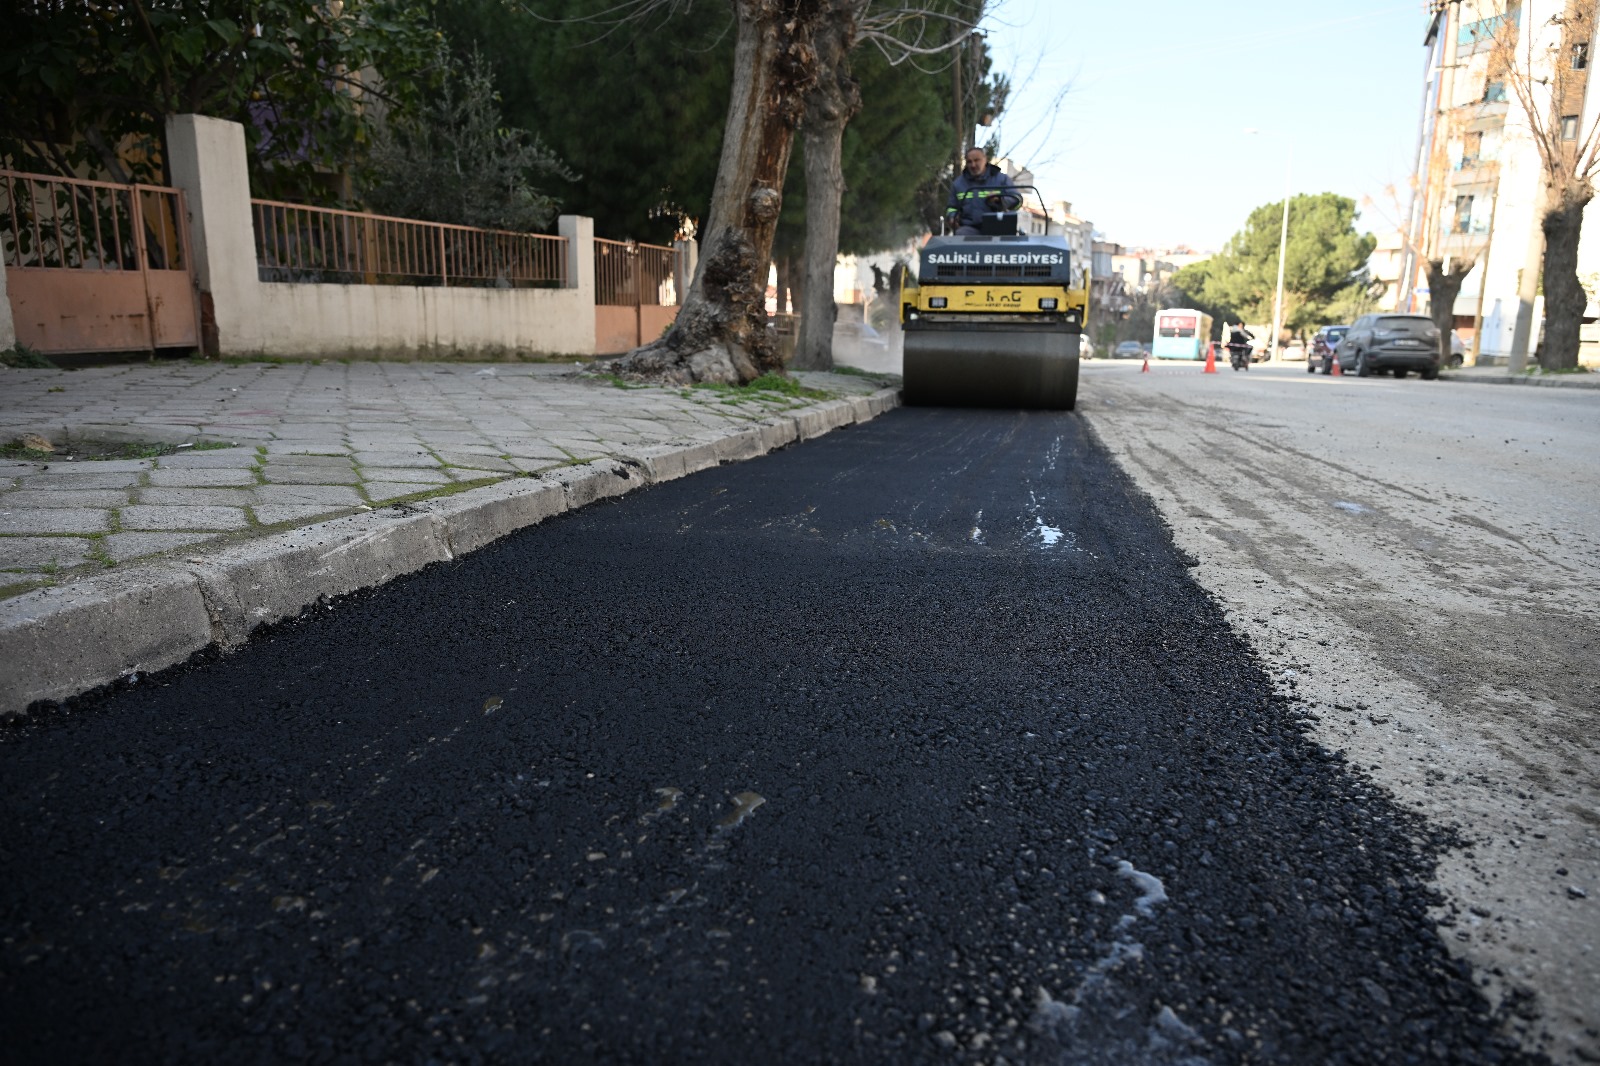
(1481, 180)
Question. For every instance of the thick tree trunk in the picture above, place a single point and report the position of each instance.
(834, 100)
(721, 332)
(1564, 298)
(1443, 287)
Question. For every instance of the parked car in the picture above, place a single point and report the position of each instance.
(1293, 352)
(1458, 351)
(1323, 343)
(1130, 350)
(1397, 343)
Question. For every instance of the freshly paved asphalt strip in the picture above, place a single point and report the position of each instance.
(125, 566)
(916, 743)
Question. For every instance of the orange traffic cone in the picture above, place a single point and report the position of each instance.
(1211, 358)
(1336, 372)
(1146, 368)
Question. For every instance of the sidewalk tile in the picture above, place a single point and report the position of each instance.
(417, 459)
(32, 497)
(331, 496)
(200, 478)
(145, 517)
(431, 476)
(197, 497)
(32, 553)
(269, 514)
(277, 474)
(124, 546)
(53, 520)
(378, 491)
(214, 460)
(476, 462)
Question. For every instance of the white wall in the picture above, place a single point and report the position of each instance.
(317, 320)
(333, 320)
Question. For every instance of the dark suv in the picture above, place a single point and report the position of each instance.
(1401, 343)
(1322, 345)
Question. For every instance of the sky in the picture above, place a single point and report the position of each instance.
(1135, 112)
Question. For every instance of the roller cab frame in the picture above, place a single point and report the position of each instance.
(994, 319)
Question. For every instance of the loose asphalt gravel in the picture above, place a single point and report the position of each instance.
(914, 743)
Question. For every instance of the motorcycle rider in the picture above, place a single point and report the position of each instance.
(1238, 345)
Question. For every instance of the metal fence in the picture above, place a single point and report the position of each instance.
(630, 274)
(57, 223)
(318, 244)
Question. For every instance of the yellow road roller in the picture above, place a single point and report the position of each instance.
(993, 318)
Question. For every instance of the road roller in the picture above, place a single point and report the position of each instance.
(993, 318)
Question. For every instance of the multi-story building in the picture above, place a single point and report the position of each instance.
(1481, 180)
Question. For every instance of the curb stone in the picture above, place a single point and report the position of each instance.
(1559, 381)
(58, 642)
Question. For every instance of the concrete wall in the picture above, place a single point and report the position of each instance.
(253, 317)
(8, 328)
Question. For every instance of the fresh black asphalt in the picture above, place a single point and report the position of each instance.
(915, 743)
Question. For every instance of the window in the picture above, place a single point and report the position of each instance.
(1569, 127)
(1580, 55)
(1494, 92)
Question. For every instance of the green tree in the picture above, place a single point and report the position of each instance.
(637, 107)
(85, 83)
(457, 162)
(1325, 264)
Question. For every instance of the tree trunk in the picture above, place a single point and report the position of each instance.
(834, 100)
(721, 333)
(1564, 298)
(1443, 287)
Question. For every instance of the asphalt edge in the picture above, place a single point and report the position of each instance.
(59, 642)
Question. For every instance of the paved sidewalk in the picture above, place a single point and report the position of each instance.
(283, 453)
(1498, 375)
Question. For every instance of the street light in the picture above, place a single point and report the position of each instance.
(1283, 243)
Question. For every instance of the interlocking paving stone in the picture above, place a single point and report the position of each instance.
(31, 497)
(476, 462)
(388, 490)
(433, 476)
(417, 457)
(55, 478)
(143, 517)
(199, 478)
(32, 553)
(222, 458)
(124, 546)
(310, 475)
(269, 514)
(53, 520)
(224, 497)
(297, 495)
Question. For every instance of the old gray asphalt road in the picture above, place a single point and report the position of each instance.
(915, 743)
(1420, 562)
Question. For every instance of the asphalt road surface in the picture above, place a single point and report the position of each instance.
(1417, 563)
(914, 743)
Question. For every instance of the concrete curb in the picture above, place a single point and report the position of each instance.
(58, 642)
(1559, 381)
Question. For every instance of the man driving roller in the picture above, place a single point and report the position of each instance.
(981, 187)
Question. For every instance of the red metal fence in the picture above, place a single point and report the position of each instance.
(318, 244)
(635, 293)
(96, 266)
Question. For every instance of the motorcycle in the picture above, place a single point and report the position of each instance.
(1239, 356)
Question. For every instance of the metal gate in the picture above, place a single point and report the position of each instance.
(93, 266)
(636, 293)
